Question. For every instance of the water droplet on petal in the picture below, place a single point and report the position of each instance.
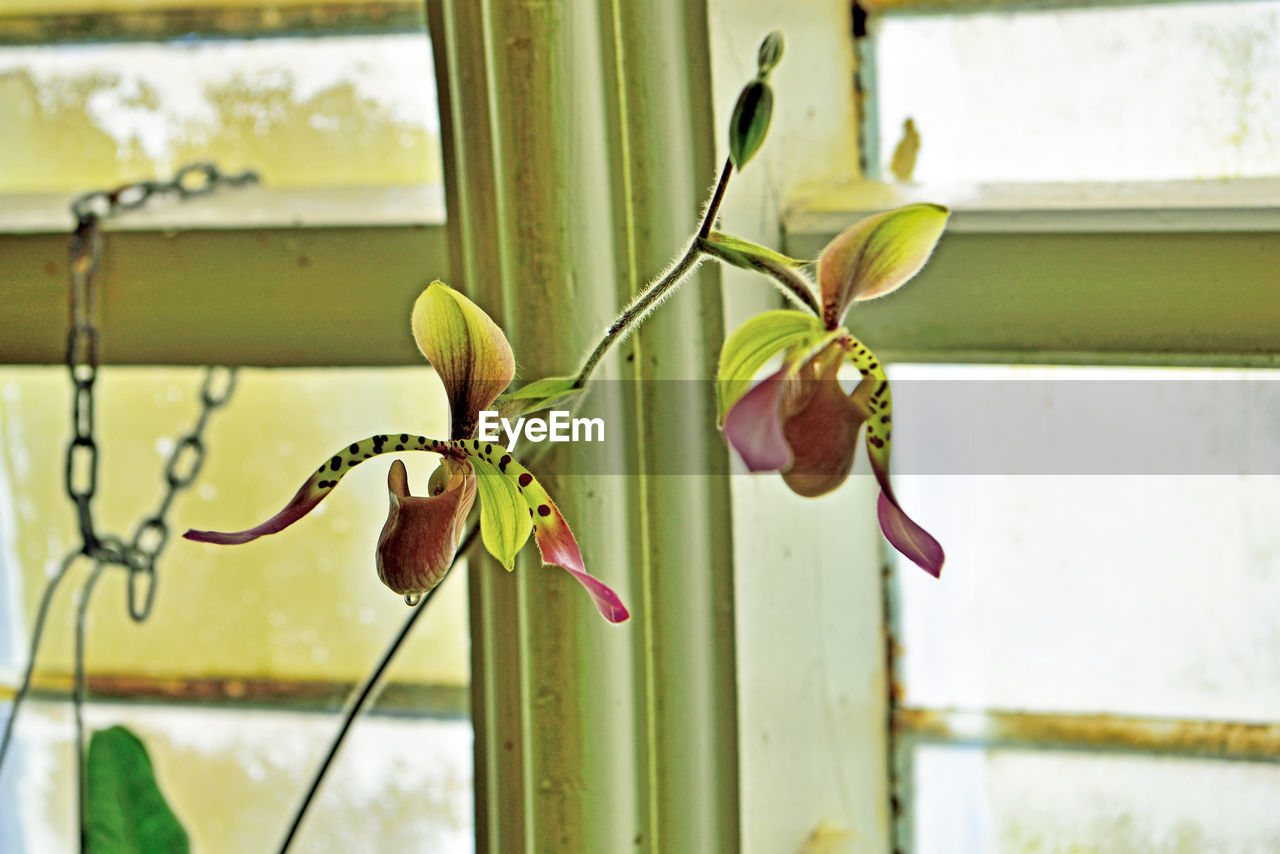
(412, 599)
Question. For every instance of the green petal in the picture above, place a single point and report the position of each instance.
(466, 348)
(877, 255)
(504, 515)
(125, 812)
(756, 342)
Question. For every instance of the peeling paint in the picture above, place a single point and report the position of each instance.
(304, 112)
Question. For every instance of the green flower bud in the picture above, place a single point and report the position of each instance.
(770, 52)
(750, 122)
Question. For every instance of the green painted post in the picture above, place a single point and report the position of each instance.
(579, 154)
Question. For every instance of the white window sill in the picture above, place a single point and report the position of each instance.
(1244, 205)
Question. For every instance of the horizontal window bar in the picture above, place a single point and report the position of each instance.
(69, 25)
(999, 728)
(271, 297)
(291, 694)
(953, 7)
(1191, 285)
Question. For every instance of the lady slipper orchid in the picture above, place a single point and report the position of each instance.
(799, 420)
(421, 536)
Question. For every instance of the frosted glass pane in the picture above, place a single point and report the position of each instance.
(973, 801)
(304, 112)
(234, 777)
(1142, 595)
(305, 604)
(1173, 91)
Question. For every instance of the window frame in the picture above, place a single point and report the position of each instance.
(1066, 252)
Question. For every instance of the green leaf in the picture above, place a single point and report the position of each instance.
(504, 515)
(537, 396)
(770, 53)
(125, 813)
(750, 122)
(744, 253)
(756, 342)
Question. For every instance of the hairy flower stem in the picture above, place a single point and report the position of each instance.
(644, 302)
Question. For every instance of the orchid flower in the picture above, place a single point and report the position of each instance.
(799, 420)
(421, 536)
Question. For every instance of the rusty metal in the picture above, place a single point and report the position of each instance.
(1105, 733)
(298, 695)
(899, 764)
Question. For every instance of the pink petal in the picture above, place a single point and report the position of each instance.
(557, 545)
(908, 537)
(753, 425)
(302, 503)
(321, 484)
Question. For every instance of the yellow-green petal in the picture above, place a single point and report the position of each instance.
(504, 516)
(754, 343)
(466, 348)
(876, 256)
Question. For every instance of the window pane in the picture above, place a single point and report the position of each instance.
(976, 801)
(1133, 594)
(1171, 91)
(305, 604)
(234, 778)
(330, 111)
(286, 621)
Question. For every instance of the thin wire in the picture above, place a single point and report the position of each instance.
(362, 697)
(79, 690)
(46, 599)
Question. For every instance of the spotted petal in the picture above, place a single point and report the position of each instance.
(555, 541)
(899, 529)
(466, 348)
(877, 255)
(504, 519)
(322, 483)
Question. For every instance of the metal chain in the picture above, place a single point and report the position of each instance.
(140, 553)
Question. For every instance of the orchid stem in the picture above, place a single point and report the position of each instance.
(713, 209)
(362, 697)
(644, 302)
(793, 284)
